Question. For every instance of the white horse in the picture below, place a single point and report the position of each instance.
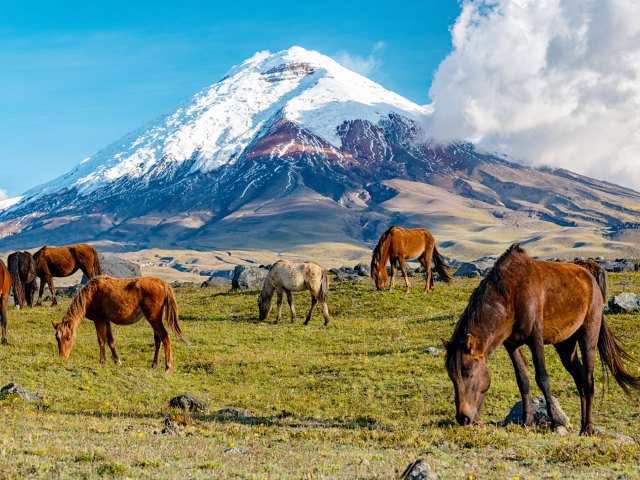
(294, 277)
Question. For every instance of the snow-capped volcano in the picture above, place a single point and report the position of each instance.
(292, 148)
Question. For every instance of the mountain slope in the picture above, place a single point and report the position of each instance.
(291, 149)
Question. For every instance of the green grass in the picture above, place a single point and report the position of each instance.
(357, 399)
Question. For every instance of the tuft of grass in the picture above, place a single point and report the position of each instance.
(356, 399)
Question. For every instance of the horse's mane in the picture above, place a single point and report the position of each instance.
(78, 307)
(471, 314)
(376, 258)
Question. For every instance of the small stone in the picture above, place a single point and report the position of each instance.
(15, 389)
(188, 403)
(418, 470)
(540, 415)
(216, 282)
(235, 412)
(234, 451)
(431, 350)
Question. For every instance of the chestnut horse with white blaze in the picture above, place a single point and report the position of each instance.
(287, 277)
(121, 301)
(523, 301)
(398, 244)
(5, 287)
(62, 262)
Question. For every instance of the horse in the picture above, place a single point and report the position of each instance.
(62, 262)
(294, 277)
(5, 287)
(23, 273)
(598, 272)
(523, 301)
(398, 244)
(121, 301)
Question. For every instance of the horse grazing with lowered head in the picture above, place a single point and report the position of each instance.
(5, 287)
(523, 301)
(398, 244)
(121, 301)
(62, 262)
(287, 277)
(23, 273)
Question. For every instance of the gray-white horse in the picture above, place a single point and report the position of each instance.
(287, 277)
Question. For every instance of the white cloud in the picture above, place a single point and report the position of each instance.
(548, 82)
(359, 64)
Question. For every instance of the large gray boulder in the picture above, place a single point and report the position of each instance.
(363, 270)
(245, 278)
(116, 267)
(619, 265)
(478, 268)
(625, 302)
(540, 415)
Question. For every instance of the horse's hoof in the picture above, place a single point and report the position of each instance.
(117, 361)
(561, 430)
(154, 365)
(588, 432)
(168, 369)
(5, 342)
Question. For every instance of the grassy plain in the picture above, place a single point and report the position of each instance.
(357, 399)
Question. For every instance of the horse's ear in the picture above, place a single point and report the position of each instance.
(55, 325)
(445, 343)
(471, 344)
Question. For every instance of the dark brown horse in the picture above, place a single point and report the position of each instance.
(121, 301)
(598, 272)
(23, 273)
(62, 262)
(5, 287)
(527, 302)
(399, 244)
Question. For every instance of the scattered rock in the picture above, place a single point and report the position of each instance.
(68, 292)
(342, 277)
(116, 267)
(418, 470)
(234, 451)
(188, 403)
(235, 412)
(245, 278)
(479, 268)
(616, 435)
(431, 350)
(216, 282)
(363, 270)
(176, 424)
(15, 389)
(540, 415)
(624, 303)
(619, 265)
(178, 284)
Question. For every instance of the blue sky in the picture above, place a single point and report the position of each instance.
(75, 76)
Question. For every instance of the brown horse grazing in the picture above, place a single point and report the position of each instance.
(5, 287)
(527, 302)
(398, 244)
(23, 273)
(121, 301)
(286, 276)
(62, 262)
(598, 272)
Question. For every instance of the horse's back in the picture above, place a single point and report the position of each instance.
(123, 300)
(295, 276)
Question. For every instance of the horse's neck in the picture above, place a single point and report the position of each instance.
(491, 332)
(267, 290)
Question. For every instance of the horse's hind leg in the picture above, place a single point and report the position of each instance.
(279, 304)
(522, 377)
(4, 300)
(425, 261)
(157, 342)
(163, 335)
(536, 344)
(403, 267)
(40, 292)
(325, 313)
(54, 300)
(569, 357)
(314, 300)
(291, 307)
(112, 345)
(588, 344)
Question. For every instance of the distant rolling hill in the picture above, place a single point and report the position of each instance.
(291, 149)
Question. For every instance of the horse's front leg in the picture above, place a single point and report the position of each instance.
(403, 268)
(392, 280)
(112, 345)
(291, 307)
(522, 377)
(536, 344)
(101, 330)
(279, 304)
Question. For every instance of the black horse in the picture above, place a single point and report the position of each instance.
(23, 273)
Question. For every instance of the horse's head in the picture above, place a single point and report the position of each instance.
(65, 338)
(467, 368)
(379, 275)
(264, 306)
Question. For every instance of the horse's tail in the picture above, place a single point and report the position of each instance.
(171, 312)
(18, 287)
(379, 256)
(439, 262)
(323, 294)
(601, 278)
(612, 354)
(97, 269)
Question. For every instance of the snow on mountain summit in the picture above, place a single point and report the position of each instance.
(215, 126)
